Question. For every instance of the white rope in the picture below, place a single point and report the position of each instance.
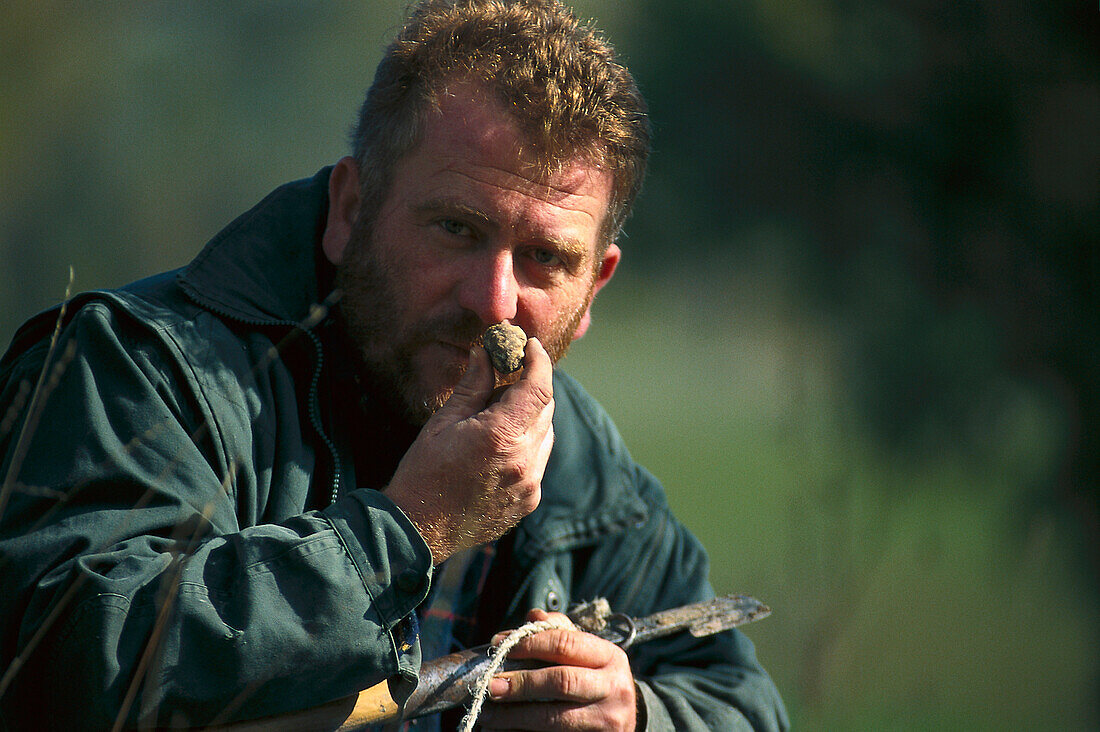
(481, 690)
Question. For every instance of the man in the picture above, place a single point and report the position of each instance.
(283, 474)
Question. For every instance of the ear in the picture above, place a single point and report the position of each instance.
(607, 268)
(343, 207)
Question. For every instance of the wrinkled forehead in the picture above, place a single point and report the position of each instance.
(474, 108)
(468, 128)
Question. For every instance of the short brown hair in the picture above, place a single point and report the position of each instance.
(557, 77)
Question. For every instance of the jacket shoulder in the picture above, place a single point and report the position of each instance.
(585, 435)
(149, 325)
(584, 424)
(35, 335)
(590, 487)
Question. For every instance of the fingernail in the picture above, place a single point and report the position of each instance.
(496, 640)
(499, 686)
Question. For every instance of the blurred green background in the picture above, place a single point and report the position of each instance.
(853, 331)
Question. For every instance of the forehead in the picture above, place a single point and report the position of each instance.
(468, 137)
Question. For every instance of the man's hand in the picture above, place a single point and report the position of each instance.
(589, 687)
(476, 467)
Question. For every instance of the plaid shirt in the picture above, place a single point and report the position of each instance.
(447, 619)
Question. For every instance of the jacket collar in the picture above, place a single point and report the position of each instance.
(262, 268)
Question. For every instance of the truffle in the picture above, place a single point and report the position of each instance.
(505, 345)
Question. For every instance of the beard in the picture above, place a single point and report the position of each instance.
(375, 315)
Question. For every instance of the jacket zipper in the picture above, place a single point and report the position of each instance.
(315, 415)
(317, 314)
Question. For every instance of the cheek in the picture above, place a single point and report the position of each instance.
(419, 279)
(430, 288)
(548, 312)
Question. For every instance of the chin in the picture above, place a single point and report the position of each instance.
(440, 376)
(422, 402)
(432, 383)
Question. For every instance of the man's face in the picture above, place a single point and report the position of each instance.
(467, 236)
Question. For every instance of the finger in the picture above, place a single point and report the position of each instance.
(535, 356)
(534, 391)
(568, 647)
(534, 615)
(540, 423)
(558, 683)
(536, 717)
(538, 467)
(472, 391)
(537, 615)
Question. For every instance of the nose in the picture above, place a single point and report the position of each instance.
(490, 289)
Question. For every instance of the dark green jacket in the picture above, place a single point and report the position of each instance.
(165, 514)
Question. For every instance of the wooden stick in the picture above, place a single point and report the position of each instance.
(352, 713)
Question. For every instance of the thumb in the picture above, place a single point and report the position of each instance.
(472, 391)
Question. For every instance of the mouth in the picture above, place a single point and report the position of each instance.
(450, 357)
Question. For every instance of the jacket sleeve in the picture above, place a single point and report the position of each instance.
(130, 584)
(711, 683)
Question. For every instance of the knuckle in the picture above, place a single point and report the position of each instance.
(531, 498)
(543, 392)
(511, 474)
(566, 643)
(566, 682)
(616, 721)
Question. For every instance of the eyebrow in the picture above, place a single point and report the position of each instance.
(572, 247)
(450, 206)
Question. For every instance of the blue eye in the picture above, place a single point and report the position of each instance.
(545, 257)
(452, 226)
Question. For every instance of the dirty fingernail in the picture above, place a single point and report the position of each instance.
(499, 686)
